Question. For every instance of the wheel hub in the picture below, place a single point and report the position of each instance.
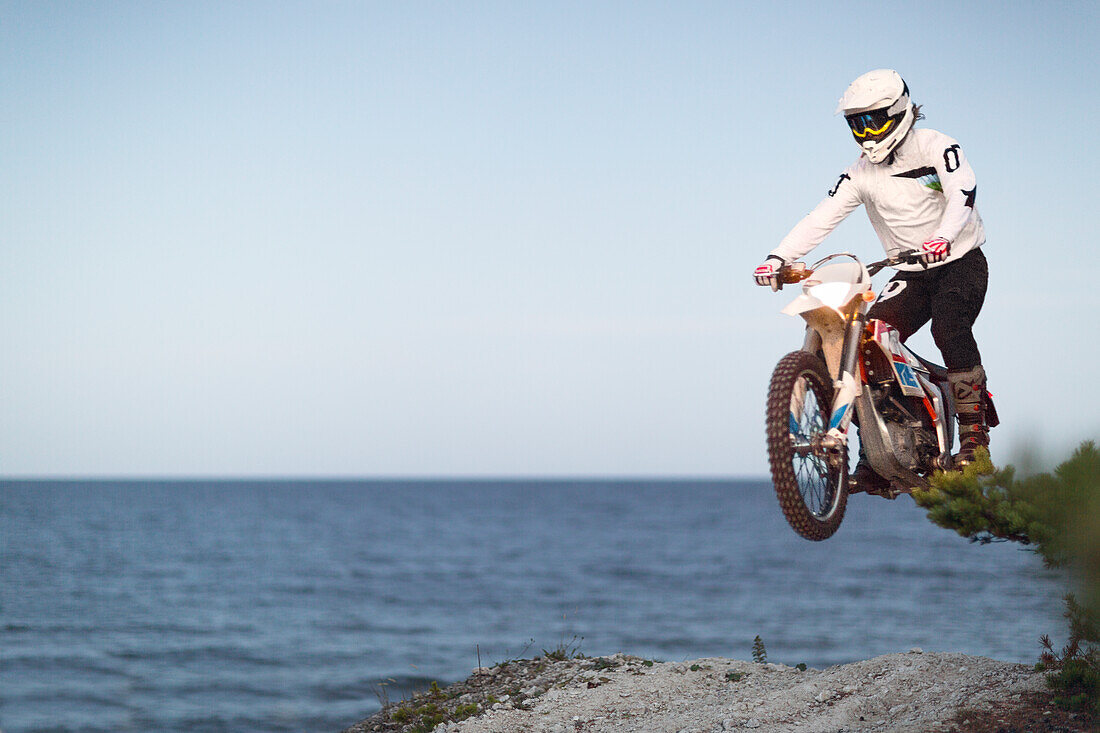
(822, 446)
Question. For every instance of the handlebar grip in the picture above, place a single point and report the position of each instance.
(788, 275)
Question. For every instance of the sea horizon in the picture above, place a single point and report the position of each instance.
(247, 603)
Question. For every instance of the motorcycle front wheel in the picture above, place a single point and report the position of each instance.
(812, 490)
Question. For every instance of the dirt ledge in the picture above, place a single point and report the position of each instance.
(897, 693)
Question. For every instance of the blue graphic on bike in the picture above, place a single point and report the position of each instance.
(905, 375)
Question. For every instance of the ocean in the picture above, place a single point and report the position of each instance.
(300, 605)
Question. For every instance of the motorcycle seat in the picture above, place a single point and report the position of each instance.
(939, 373)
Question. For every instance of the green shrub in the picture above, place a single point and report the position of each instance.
(464, 711)
(1058, 515)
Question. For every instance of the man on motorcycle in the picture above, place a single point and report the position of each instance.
(919, 191)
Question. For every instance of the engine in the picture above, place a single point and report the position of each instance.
(912, 436)
(904, 439)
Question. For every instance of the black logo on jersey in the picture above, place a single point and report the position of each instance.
(917, 172)
(951, 158)
(970, 196)
(839, 181)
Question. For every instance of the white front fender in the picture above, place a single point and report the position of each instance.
(801, 304)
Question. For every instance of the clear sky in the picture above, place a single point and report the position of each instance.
(471, 238)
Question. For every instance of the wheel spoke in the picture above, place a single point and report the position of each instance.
(816, 479)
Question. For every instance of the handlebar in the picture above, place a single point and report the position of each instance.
(912, 257)
(796, 272)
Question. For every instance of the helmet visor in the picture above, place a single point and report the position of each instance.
(871, 125)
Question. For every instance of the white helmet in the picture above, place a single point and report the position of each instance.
(878, 111)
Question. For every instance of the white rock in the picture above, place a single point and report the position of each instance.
(920, 689)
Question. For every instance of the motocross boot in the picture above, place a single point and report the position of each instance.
(968, 389)
(864, 478)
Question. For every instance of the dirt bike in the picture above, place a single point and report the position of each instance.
(851, 369)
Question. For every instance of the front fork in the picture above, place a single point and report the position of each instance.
(848, 386)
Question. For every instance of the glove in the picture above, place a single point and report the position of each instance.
(935, 250)
(768, 273)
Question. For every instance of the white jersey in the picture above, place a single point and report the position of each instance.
(926, 190)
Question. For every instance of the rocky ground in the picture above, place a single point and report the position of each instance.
(896, 693)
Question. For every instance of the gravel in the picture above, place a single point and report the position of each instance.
(913, 691)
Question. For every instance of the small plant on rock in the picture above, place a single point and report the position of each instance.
(759, 653)
(601, 663)
(565, 650)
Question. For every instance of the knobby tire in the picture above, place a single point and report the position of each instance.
(812, 494)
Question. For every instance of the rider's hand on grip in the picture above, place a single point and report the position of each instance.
(935, 250)
(768, 273)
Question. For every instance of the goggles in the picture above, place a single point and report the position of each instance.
(873, 123)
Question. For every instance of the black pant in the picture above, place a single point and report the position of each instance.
(950, 295)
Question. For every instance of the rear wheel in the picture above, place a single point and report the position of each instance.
(810, 479)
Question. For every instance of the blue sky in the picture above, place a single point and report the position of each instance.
(253, 238)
